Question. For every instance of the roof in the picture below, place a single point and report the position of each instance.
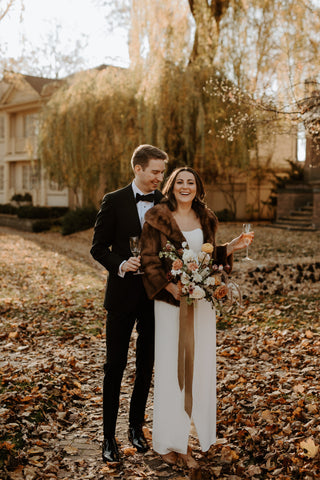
(37, 83)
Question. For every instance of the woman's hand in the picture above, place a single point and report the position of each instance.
(238, 243)
(175, 290)
(131, 265)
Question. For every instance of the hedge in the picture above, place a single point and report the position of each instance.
(78, 219)
(41, 212)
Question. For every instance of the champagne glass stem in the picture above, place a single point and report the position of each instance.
(247, 229)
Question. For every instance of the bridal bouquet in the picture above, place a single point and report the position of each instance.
(198, 275)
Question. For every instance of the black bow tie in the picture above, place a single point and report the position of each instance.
(145, 198)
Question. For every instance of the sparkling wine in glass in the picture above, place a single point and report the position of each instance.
(135, 248)
(246, 228)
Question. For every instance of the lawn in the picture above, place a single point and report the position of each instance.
(53, 348)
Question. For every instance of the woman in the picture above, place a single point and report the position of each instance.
(182, 217)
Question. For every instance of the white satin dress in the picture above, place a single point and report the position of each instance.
(171, 424)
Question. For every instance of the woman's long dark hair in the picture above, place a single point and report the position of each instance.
(198, 204)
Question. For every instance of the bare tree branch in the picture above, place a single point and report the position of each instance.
(6, 9)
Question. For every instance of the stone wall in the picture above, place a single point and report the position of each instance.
(316, 206)
(18, 223)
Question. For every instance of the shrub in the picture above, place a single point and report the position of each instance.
(41, 225)
(8, 209)
(27, 197)
(225, 215)
(78, 219)
(41, 212)
(18, 197)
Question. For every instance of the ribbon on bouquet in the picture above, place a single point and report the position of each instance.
(186, 352)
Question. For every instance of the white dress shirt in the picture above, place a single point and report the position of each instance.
(142, 208)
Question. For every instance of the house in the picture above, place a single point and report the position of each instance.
(248, 192)
(299, 204)
(21, 99)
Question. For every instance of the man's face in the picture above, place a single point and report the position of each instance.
(149, 179)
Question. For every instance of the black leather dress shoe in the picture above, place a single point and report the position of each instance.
(110, 452)
(137, 439)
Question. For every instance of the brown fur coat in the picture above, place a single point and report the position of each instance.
(159, 227)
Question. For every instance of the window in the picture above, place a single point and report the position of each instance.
(26, 177)
(30, 177)
(1, 127)
(55, 186)
(1, 178)
(30, 125)
(301, 143)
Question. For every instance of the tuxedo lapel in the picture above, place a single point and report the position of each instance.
(129, 212)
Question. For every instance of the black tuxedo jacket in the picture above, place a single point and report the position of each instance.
(117, 220)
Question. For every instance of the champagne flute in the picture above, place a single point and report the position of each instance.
(246, 228)
(135, 248)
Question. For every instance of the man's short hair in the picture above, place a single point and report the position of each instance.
(144, 153)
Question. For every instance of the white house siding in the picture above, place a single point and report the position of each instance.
(20, 101)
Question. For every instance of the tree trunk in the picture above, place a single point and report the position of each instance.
(207, 16)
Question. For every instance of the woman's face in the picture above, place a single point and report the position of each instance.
(185, 187)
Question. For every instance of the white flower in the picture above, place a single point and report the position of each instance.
(207, 259)
(210, 281)
(204, 258)
(197, 293)
(197, 277)
(201, 256)
(189, 256)
(184, 278)
(205, 272)
(185, 289)
(184, 244)
(176, 272)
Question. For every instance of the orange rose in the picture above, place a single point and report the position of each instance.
(207, 248)
(177, 264)
(221, 292)
(193, 266)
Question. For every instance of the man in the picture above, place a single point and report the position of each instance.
(121, 216)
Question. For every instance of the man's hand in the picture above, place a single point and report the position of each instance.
(131, 265)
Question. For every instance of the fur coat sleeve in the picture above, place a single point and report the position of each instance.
(159, 227)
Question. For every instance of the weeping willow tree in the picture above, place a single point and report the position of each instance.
(201, 80)
(174, 95)
(91, 126)
(88, 131)
(176, 64)
(266, 48)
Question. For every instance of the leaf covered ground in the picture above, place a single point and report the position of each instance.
(52, 346)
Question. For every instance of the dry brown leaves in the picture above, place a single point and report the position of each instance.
(53, 348)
